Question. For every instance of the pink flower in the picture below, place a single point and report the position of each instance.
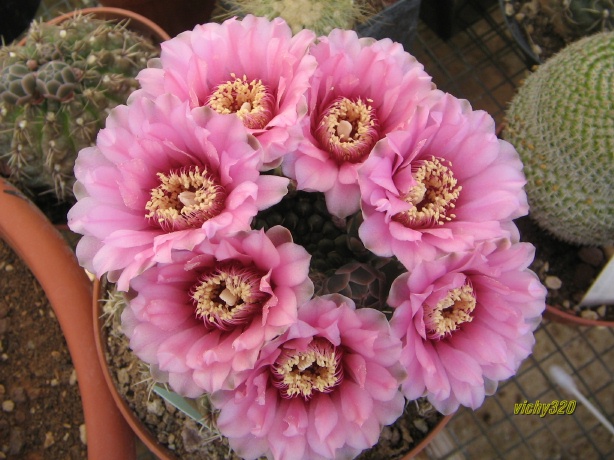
(252, 67)
(204, 317)
(361, 91)
(322, 390)
(466, 321)
(163, 176)
(440, 185)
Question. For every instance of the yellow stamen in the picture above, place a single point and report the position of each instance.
(185, 198)
(251, 101)
(450, 312)
(433, 196)
(228, 296)
(302, 373)
(348, 130)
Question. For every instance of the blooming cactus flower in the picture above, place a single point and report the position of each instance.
(323, 390)
(361, 90)
(204, 317)
(466, 321)
(164, 176)
(442, 184)
(252, 67)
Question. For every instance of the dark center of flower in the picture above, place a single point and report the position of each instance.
(348, 130)
(450, 312)
(252, 101)
(433, 196)
(185, 198)
(228, 295)
(304, 373)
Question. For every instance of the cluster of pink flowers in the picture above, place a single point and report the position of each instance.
(226, 119)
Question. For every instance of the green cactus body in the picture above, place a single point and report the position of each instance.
(561, 121)
(55, 93)
(321, 16)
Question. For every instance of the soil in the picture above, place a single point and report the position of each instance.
(40, 415)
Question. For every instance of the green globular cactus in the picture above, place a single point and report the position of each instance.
(321, 16)
(55, 93)
(561, 121)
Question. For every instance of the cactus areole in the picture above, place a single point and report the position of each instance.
(55, 93)
(561, 121)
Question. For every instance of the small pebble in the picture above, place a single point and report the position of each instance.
(83, 434)
(73, 377)
(591, 255)
(566, 303)
(49, 440)
(601, 311)
(8, 405)
(155, 407)
(553, 282)
(9, 268)
(18, 394)
(589, 314)
(421, 425)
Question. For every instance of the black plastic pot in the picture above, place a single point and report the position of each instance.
(519, 36)
(399, 22)
(15, 17)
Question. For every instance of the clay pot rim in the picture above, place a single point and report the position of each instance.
(558, 315)
(137, 22)
(50, 259)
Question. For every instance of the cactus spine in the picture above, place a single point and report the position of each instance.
(55, 93)
(561, 121)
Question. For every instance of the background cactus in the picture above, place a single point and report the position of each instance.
(55, 93)
(561, 121)
(573, 19)
(340, 264)
(321, 16)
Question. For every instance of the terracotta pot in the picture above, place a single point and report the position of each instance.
(561, 316)
(519, 35)
(135, 423)
(174, 17)
(138, 426)
(137, 22)
(43, 249)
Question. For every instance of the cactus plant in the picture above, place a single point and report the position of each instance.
(573, 19)
(321, 16)
(55, 92)
(561, 122)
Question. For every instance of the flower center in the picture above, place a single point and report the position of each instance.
(251, 101)
(185, 198)
(348, 130)
(228, 296)
(450, 312)
(433, 196)
(303, 373)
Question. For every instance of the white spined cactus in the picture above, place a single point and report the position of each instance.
(561, 121)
